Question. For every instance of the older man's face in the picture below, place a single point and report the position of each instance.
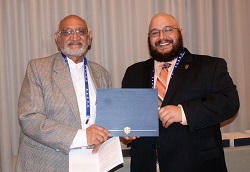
(73, 37)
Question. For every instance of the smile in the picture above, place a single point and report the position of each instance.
(166, 43)
(75, 43)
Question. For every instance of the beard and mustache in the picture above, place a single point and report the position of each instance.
(168, 56)
(72, 52)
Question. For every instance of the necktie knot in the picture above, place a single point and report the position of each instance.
(166, 65)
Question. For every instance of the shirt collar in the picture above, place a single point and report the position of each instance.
(73, 65)
(158, 65)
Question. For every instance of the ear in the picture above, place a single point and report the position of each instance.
(89, 40)
(56, 37)
(56, 40)
(181, 30)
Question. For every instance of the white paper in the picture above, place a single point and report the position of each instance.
(108, 156)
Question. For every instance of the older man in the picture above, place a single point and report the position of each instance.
(56, 107)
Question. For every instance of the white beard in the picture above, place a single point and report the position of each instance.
(69, 52)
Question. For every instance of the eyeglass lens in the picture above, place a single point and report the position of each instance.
(69, 32)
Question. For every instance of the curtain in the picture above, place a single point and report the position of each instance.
(120, 27)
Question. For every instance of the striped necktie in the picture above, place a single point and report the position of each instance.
(161, 83)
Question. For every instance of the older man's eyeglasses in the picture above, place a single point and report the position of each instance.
(69, 32)
(166, 30)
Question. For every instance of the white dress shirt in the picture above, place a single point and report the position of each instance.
(158, 67)
(77, 75)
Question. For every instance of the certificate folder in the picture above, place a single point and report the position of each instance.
(128, 112)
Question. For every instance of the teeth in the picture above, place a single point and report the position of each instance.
(166, 43)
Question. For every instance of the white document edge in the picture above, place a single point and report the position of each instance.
(108, 156)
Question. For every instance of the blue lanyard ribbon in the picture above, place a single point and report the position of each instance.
(86, 85)
(175, 67)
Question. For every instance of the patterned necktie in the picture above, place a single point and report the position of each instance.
(161, 83)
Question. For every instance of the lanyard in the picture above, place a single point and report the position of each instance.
(86, 85)
(175, 66)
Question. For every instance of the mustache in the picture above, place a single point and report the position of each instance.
(72, 41)
(170, 41)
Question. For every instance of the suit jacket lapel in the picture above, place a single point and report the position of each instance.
(147, 73)
(64, 82)
(93, 74)
(180, 73)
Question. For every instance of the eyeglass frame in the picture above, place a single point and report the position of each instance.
(165, 30)
(70, 32)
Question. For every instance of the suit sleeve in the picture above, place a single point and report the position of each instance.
(220, 103)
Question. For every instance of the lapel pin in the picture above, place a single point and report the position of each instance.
(186, 66)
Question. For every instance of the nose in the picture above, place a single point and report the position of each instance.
(161, 34)
(75, 36)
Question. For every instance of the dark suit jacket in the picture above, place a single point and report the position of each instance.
(202, 85)
(49, 115)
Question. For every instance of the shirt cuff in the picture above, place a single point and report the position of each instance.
(80, 139)
(183, 116)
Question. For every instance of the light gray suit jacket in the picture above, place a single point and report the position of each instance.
(49, 115)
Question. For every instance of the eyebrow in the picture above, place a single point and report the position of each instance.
(66, 28)
(163, 27)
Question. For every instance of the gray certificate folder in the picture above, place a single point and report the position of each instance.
(128, 112)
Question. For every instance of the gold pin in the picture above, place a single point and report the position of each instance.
(186, 66)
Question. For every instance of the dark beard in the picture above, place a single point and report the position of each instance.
(169, 56)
